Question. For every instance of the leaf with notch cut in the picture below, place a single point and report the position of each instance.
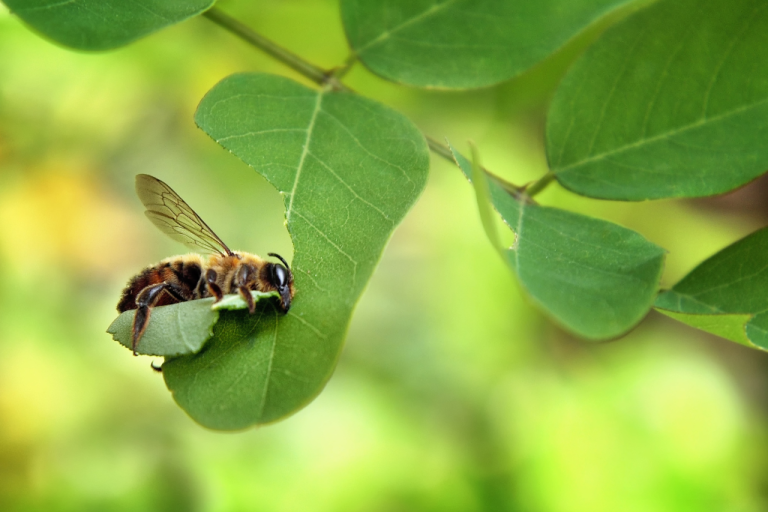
(726, 294)
(349, 169)
(596, 278)
(673, 102)
(463, 43)
(103, 24)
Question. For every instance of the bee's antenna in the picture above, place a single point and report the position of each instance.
(275, 255)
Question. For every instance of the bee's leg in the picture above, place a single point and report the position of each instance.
(240, 279)
(245, 293)
(145, 300)
(175, 291)
(213, 288)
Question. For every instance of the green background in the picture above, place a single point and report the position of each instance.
(452, 392)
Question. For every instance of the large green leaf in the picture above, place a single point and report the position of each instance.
(673, 102)
(463, 43)
(102, 24)
(726, 294)
(349, 169)
(596, 278)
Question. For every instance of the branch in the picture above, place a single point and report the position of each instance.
(290, 59)
(318, 75)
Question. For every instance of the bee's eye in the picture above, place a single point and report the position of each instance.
(279, 275)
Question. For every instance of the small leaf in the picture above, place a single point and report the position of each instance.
(349, 169)
(463, 43)
(670, 103)
(726, 288)
(179, 328)
(483, 195)
(596, 278)
(102, 24)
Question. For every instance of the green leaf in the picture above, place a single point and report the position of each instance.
(179, 328)
(726, 288)
(673, 102)
(757, 330)
(463, 43)
(484, 205)
(730, 327)
(349, 170)
(102, 24)
(596, 278)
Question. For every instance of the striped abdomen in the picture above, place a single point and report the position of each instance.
(183, 271)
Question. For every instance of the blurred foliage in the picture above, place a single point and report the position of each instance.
(452, 393)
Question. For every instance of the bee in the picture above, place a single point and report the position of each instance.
(192, 276)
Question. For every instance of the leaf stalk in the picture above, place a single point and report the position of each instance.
(539, 185)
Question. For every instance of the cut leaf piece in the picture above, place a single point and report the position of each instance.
(172, 331)
(235, 301)
(349, 170)
(463, 43)
(669, 103)
(179, 328)
(102, 24)
(596, 278)
(728, 286)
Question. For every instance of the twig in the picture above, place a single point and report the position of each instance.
(290, 59)
(320, 76)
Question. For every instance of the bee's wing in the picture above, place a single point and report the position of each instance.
(175, 218)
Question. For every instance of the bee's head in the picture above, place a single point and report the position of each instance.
(281, 277)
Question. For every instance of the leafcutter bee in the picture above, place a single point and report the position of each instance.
(192, 276)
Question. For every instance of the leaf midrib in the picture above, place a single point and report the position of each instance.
(388, 33)
(304, 152)
(665, 135)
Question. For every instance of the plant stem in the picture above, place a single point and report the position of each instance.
(540, 185)
(445, 152)
(439, 149)
(317, 74)
(342, 70)
(290, 59)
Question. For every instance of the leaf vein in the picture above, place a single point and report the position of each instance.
(663, 77)
(304, 152)
(309, 276)
(731, 45)
(361, 146)
(260, 132)
(662, 136)
(358, 196)
(341, 251)
(269, 369)
(46, 7)
(311, 327)
(433, 9)
(627, 61)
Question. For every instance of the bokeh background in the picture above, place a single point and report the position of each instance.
(453, 392)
